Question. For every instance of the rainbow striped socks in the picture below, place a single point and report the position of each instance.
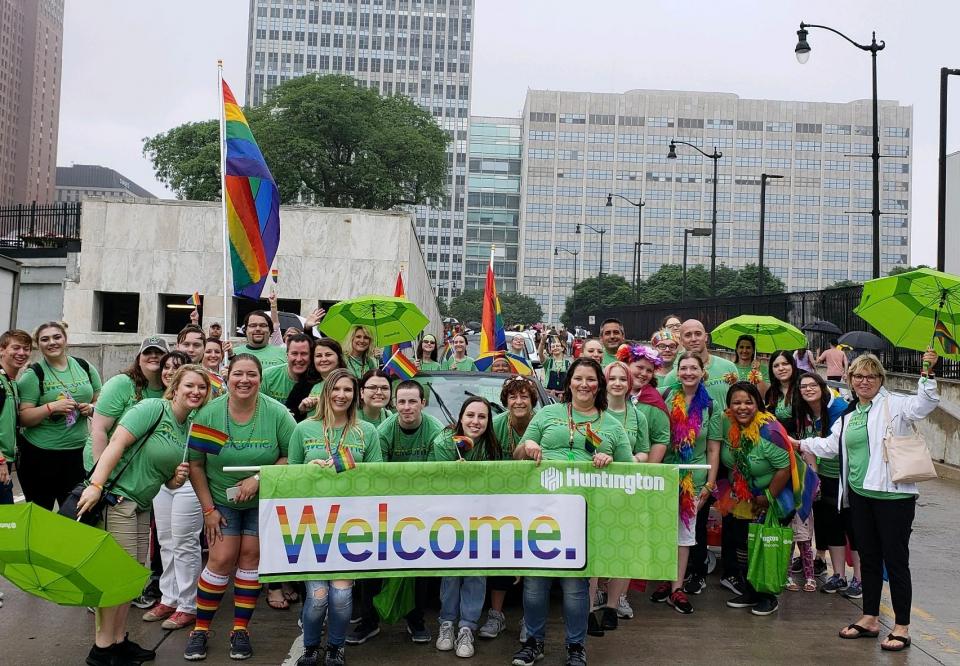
(246, 589)
(210, 590)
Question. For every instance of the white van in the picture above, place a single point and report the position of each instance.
(530, 346)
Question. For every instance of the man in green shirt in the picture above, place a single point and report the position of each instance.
(191, 340)
(258, 327)
(15, 348)
(693, 338)
(612, 336)
(279, 380)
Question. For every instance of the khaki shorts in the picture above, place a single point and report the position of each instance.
(130, 526)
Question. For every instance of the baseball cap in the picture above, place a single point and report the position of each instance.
(154, 342)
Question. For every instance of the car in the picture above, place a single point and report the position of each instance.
(446, 391)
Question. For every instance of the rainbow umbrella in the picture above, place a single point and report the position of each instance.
(518, 364)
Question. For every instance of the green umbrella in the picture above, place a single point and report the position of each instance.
(770, 333)
(915, 310)
(390, 319)
(66, 562)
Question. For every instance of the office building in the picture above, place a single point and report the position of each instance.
(90, 180)
(31, 50)
(578, 147)
(419, 48)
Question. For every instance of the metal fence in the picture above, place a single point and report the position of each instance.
(39, 225)
(798, 308)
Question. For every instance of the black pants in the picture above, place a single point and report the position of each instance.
(739, 531)
(728, 548)
(883, 530)
(370, 587)
(47, 476)
(697, 562)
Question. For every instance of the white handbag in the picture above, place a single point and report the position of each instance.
(907, 456)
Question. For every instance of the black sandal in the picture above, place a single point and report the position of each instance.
(903, 640)
(862, 632)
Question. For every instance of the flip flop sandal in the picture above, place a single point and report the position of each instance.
(904, 643)
(861, 633)
(277, 604)
(810, 585)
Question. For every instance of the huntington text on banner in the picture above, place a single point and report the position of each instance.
(476, 518)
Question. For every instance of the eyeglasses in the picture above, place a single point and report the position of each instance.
(666, 347)
(864, 378)
(377, 389)
(809, 387)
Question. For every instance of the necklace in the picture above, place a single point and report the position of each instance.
(581, 426)
(252, 423)
(56, 377)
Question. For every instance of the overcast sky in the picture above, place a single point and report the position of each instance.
(133, 69)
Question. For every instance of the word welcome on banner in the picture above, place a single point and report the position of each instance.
(476, 518)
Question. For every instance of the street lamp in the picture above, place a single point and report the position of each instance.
(600, 270)
(803, 54)
(764, 177)
(686, 238)
(942, 174)
(672, 155)
(556, 253)
(636, 246)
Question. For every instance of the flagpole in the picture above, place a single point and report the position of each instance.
(227, 330)
(186, 444)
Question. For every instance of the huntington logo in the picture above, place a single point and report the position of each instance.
(551, 479)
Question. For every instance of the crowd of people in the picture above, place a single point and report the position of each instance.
(290, 397)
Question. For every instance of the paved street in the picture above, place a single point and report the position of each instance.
(36, 632)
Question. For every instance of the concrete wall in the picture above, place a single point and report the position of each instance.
(172, 247)
(41, 290)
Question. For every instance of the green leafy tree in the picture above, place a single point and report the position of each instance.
(468, 306)
(666, 285)
(327, 141)
(743, 282)
(519, 309)
(615, 291)
(842, 283)
(897, 270)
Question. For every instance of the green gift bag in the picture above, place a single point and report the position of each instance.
(768, 553)
(395, 599)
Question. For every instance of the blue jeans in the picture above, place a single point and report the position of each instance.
(576, 606)
(321, 596)
(462, 596)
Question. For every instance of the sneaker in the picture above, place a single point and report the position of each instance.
(179, 620)
(678, 599)
(854, 590)
(734, 584)
(661, 594)
(594, 628)
(445, 637)
(418, 632)
(144, 602)
(529, 653)
(196, 649)
(99, 656)
(523, 631)
(240, 647)
(819, 567)
(465, 642)
(132, 651)
(576, 655)
(150, 595)
(834, 584)
(695, 584)
(624, 609)
(742, 601)
(601, 599)
(362, 633)
(159, 612)
(494, 626)
(335, 655)
(310, 657)
(796, 565)
(766, 606)
(608, 618)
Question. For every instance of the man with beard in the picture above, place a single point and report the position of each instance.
(258, 327)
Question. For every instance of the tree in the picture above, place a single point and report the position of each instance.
(519, 309)
(839, 284)
(468, 306)
(586, 301)
(897, 270)
(743, 282)
(327, 141)
(666, 285)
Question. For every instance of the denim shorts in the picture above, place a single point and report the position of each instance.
(244, 522)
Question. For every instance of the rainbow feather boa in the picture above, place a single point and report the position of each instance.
(685, 424)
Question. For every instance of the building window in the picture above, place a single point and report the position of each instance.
(175, 313)
(116, 312)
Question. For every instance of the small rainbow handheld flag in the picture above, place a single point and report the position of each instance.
(216, 384)
(206, 440)
(275, 274)
(464, 443)
(194, 300)
(591, 440)
(342, 459)
(948, 343)
(401, 366)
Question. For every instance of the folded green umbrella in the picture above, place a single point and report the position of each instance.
(63, 561)
(770, 333)
(396, 598)
(390, 319)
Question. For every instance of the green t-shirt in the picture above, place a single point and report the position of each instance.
(763, 461)
(712, 429)
(715, 382)
(608, 358)
(658, 423)
(400, 446)
(384, 415)
(8, 416)
(276, 383)
(783, 411)
(307, 442)
(260, 441)
(431, 365)
(550, 429)
(635, 423)
(554, 373)
(507, 436)
(465, 364)
(858, 456)
(153, 463)
(268, 355)
(444, 449)
(358, 368)
(118, 395)
(743, 372)
(52, 433)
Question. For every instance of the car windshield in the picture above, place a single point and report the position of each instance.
(452, 388)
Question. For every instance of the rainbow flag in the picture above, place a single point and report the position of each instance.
(401, 365)
(464, 444)
(206, 440)
(798, 494)
(216, 384)
(275, 274)
(389, 352)
(947, 341)
(252, 202)
(492, 337)
(591, 440)
(194, 300)
(343, 459)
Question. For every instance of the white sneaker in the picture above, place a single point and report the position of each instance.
(465, 642)
(623, 608)
(494, 625)
(445, 637)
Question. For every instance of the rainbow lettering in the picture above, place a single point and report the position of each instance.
(495, 525)
(398, 537)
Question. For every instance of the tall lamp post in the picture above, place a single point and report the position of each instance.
(672, 154)
(556, 253)
(686, 237)
(942, 173)
(600, 270)
(803, 54)
(764, 177)
(638, 245)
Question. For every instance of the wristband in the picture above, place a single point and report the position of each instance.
(96, 485)
(2, 460)
(49, 411)
(710, 486)
(209, 510)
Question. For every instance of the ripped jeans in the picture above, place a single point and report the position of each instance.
(315, 606)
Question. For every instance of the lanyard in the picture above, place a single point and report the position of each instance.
(326, 438)
(572, 427)
(53, 373)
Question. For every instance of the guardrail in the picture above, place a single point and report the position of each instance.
(39, 225)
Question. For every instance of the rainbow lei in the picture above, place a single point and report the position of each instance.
(742, 441)
(685, 428)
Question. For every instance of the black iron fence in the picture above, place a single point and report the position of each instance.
(39, 225)
(798, 308)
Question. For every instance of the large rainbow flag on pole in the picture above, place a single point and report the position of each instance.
(251, 202)
(492, 337)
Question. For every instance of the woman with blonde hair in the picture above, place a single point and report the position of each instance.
(360, 356)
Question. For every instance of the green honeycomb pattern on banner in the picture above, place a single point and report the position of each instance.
(629, 536)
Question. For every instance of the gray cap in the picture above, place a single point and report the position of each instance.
(154, 342)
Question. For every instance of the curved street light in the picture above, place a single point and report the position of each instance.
(637, 246)
(672, 155)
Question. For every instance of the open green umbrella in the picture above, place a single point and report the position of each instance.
(915, 310)
(770, 333)
(390, 319)
(66, 562)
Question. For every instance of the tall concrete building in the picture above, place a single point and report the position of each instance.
(83, 180)
(31, 52)
(419, 48)
(578, 147)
